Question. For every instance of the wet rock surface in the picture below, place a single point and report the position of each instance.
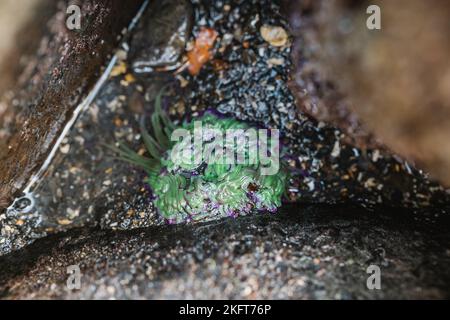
(161, 36)
(315, 252)
(318, 93)
(249, 80)
(65, 68)
(86, 186)
(394, 80)
(87, 193)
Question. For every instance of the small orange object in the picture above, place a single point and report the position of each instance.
(218, 64)
(201, 54)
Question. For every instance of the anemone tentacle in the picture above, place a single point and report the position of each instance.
(185, 192)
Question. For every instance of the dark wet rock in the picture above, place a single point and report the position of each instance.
(253, 85)
(393, 82)
(64, 69)
(317, 93)
(161, 36)
(95, 211)
(301, 253)
(85, 186)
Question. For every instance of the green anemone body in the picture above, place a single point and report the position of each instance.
(189, 190)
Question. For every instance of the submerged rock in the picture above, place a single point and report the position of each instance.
(247, 80)
(310, 252)
(55, 81)
(301, 253)
(394, 82)
(161, 36)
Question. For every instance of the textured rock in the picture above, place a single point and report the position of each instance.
(88, 202)
(316, 91)
(85, 186)
(161, 36)
(65, 68)
(397, 79)
(308, 253)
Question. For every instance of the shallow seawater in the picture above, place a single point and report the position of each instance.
(247, 79)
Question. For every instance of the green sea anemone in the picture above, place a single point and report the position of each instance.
(193, 179)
